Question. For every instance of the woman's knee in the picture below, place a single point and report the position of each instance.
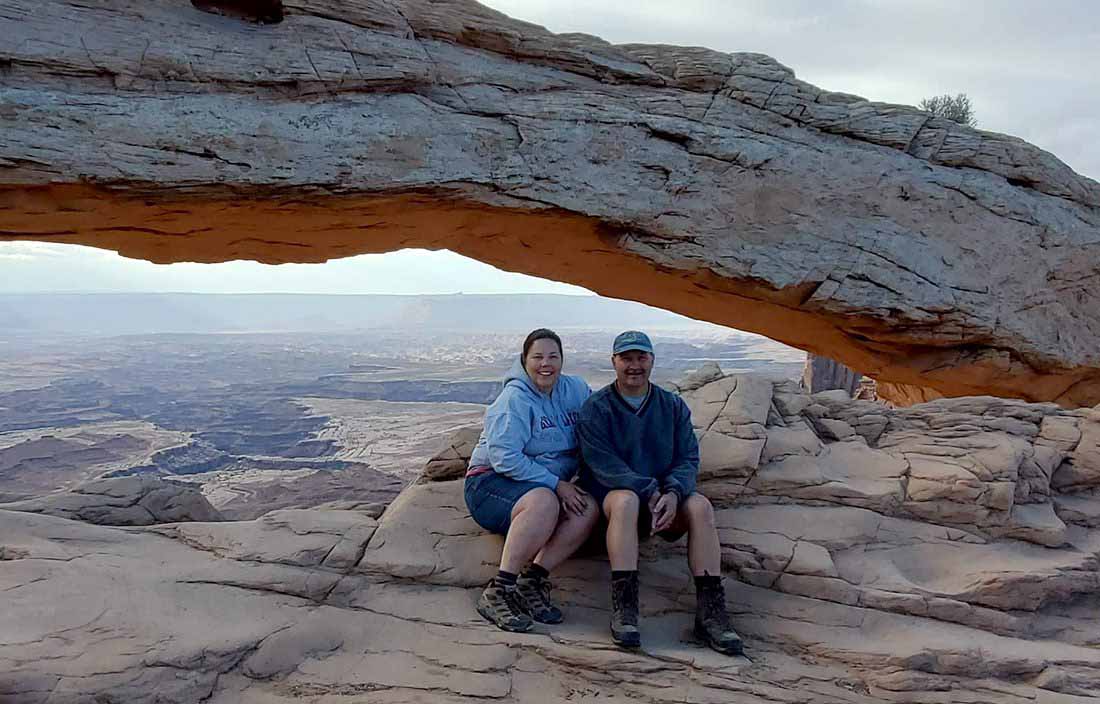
(591, 512)
(621, 501)
(542, 501)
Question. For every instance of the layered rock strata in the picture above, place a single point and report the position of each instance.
(916, 250)
(941, 553)
(125, 501)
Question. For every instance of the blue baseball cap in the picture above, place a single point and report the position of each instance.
(632, 340)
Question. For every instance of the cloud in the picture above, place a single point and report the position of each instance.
(27, 251)
(38, 267)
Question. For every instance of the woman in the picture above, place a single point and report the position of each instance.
(518, 484)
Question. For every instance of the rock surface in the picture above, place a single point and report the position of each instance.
(126, 501)
(916, 250)
(824, 374)
(941, 553)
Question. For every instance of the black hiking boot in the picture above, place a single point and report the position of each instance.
(624, 612)
(533, 595)
(712, 621)
(500, 606)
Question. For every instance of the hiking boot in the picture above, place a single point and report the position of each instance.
(533, 596)
(500, 606)
(624, 612)
(712, 621)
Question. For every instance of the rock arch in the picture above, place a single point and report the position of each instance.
(718, 185)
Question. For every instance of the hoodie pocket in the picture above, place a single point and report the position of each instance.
(546, 440)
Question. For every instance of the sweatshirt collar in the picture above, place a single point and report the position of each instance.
(622, 399)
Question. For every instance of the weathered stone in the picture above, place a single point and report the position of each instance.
(709, 372)
(300, 537)
(426, 534)
(1036, 523)
(1082, 469)
(839, 603)
(728, 456)
(1082, 509)
(451, 460)
(823, 374)
(718, 185)
(124, 501)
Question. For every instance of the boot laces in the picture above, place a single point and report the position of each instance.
(540, 594)
(625, 600)
(714, 608)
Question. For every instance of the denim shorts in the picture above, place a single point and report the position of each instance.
(491, 498)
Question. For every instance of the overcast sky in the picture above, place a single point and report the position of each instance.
(1032, 69)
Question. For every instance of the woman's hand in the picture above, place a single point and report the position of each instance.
(573, 498)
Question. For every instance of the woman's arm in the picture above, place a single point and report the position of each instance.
(507, 433)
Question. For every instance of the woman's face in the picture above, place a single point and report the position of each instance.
(543, 364)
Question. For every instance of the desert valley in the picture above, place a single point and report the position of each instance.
(318, 399)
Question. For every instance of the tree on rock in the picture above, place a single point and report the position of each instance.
(957, 108)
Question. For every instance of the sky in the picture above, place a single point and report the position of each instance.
(1030, 69)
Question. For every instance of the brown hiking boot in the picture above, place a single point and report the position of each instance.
(624, 612)
(500, 606)
(712, 621)
(533, 595)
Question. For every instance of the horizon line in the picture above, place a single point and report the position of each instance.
(297, 293)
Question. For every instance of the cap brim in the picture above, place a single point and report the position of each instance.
(633, 348)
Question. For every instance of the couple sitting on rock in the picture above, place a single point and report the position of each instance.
(553, 456)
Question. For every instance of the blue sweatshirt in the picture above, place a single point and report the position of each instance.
(528, 435)
(653, 448)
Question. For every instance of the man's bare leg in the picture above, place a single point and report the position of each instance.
(704, 549)
(621, 508)
(712, 622)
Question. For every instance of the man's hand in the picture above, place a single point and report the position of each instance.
(664, 510)
(573, 498)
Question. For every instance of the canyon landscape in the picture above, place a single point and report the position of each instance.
(261, 500)
(324, 399)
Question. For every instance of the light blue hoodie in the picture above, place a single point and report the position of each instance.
(528, 435)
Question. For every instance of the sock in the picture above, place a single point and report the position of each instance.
(536, 570)
(505, 579)
(616, 575)
(706, 581)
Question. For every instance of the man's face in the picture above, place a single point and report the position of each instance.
(632, 369)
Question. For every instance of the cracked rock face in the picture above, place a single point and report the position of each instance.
(941, 553)
(914, 250)
(124, 501)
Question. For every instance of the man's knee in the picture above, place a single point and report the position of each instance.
(621, 502)
(699, 510)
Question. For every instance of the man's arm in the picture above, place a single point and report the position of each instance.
(602, 458)
(685, 455)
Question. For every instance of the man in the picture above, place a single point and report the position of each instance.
(640, 459)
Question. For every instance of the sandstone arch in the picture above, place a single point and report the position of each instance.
(915, 250)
